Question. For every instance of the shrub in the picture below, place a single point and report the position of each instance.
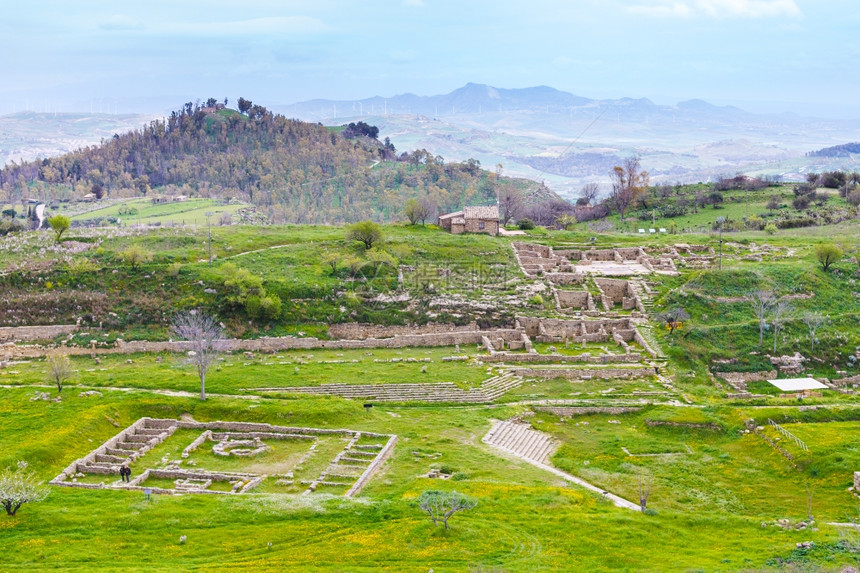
(536, 300)
(770, 228)
(135, 256)
(173, 269)
(526, 224)
(8, 226)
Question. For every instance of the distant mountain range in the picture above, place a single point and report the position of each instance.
(540, 132)
(567, 140)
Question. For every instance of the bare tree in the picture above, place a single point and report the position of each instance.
(761, 301)
(441, 505)
(628, 183)
(59, 370)
(588, 194)
(644, 490)
(813, 322)
(19, 486)
(511, 203)
(673, 318)
(205, 336)
(779, 315)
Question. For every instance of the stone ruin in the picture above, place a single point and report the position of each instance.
(536, 260)
(352, 467)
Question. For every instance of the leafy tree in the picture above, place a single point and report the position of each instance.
(60, 370)
(266, 307)
(441, 505)
(97, 190)
(244, 105)
(205, 338)
(19, 486)
(715, 199)
(60, 224)
(628, 183)
(366, 232)
(136, 255)
(827, 254)
(416, 210)
(853, 198)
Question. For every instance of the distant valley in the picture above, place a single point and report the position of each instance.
(539, 133)
(567, 140)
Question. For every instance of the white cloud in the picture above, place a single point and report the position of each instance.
(719, 9)
(414, 3)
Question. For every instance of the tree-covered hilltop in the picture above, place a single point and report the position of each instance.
(294, 171)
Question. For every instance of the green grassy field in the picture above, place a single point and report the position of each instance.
(525, 521)
(190, 212)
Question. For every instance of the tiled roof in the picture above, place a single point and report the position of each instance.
(449, 215)
(489, 212)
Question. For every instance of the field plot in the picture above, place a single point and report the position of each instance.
(698, 462)
(231, 458)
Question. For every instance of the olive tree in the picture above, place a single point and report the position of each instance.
(441, 505)
(19, 486)
(205, 338)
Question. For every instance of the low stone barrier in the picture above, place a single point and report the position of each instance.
(29, 333)
(583, 373)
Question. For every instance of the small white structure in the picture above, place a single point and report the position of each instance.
(641, 230)
(652, 230)
(798, 384)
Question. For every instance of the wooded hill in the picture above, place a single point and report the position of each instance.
(294, 171)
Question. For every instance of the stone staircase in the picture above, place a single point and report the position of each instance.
(129, 446)
(490, 389)
(522, 440)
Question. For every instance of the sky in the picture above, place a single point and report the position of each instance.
(151, 56)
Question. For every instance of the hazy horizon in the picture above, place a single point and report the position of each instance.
(760, 55)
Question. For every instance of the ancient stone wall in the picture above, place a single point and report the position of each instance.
(506, 358)
(29, 333)
(359, 331)
(564, 278)
(567, 411)
(583, 373)
(572, 299)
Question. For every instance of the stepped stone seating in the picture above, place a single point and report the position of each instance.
(522, 440)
